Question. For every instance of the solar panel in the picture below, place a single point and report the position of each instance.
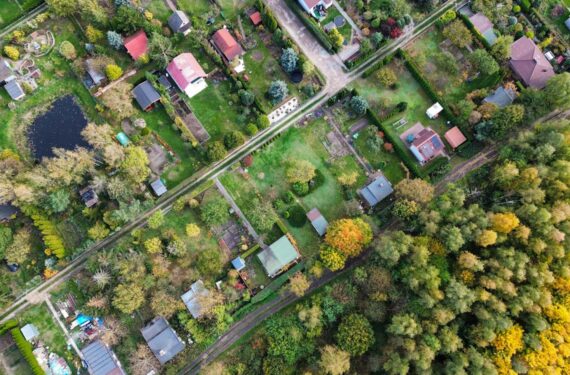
(436, 143)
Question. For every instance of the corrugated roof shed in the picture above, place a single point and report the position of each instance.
(14, 90)
(162, 340)
(145, 95)
(318, 221)
(179, 22)
(190, 298)
(501, 97)
(376, 191)
(158, 187)
(101, 360)
(238, 264)
(279, 255)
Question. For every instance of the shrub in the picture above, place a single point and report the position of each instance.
(25, 349)
(297, 217)
(246, 97)
(67, 50)
(358, 105)
(93, 35)
(300, 188)
(402, 106)
(216, 151)
(289, 60)
(233, 139)
(251, 129)
(277, 91)
(113, 72)
(114, 39)
(12, 52)
(263, 122)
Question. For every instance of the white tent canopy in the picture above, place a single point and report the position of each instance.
(434, 111)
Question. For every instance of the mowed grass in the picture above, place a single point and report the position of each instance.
(387, 162)
(159, 9)
(9, 12)
(195, 7)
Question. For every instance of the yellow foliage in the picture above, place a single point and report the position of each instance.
(557, 313)
(508, 342)
(487, 238)
(467, 277)
(504, 222)
(562, 285)
(49, 273)
(436, 247)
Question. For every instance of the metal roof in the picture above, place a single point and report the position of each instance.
(30, 332)
(279, 254)
(101, 360)
(318, 221)
(145, 94)
(162, 340)
(14, 90)
(190, 298)
(376, 191)
(178, 21)
(238, 264)
(501, 97)
(7, 211)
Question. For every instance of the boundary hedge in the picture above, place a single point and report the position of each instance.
(25, 349)
(277, 283)
(312, 25)
(475, 32)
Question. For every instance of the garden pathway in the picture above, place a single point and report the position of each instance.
(170, 4)
(336, 128)
(357, 31)
(70, 340)
(238, 211)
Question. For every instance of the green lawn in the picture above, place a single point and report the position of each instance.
(195, 7)
(345, 30)
(9, 12)
(216, 110)
(159, 10)
(388, 163)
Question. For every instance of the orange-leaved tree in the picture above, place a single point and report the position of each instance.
(348, 236)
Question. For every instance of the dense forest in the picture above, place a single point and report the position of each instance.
(475, 281)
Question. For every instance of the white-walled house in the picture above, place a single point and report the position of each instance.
(187, 73)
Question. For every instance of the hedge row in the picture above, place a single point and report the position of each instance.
(8, 326)
(25, 349)
(250, 251)
(416, 73)
(312, 25)
(377, 65)
(277, 283)
(475, 32)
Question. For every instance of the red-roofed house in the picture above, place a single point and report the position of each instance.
(424, 143)
(455, 137)
(229, 49)
(529, 63)
(136, 44)
(255, 18)
(189, 76)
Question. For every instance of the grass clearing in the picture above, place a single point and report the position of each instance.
(10, 11)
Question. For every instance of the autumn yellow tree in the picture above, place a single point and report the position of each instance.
(487, 238)
(348, 236)
(504, 222)
(333, 259)
(192, 230)
(298, 284)
(153, 245)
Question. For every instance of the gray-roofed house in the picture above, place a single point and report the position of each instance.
(376, 191)
(318, 221)
(158, 187)
(145, 95)
(89, 196)
(30, 332)
(567, 23)
(278, 256)
(101, 360)
(14, 90)
(95, 74)
(192, 298)
(6, 73)
(179, 22)
(162, 339)
(501, 97)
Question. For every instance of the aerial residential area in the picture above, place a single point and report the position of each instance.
(228, 187)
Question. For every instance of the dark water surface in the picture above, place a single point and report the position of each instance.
(59, 127)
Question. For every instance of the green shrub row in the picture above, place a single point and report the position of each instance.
(25, 349)
(475, 32)
(277, 283)
(50, 235)
(430, 91)
(312, 25)
(377, 65)
(250, 251)
(5, 327)
(282, 227)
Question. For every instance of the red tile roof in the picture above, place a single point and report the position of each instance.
(136, 44)
(226, 44)
(255, 18)
(455, 137)
(529, 64)
(185, 69)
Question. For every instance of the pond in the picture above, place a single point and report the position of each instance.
(59, 127)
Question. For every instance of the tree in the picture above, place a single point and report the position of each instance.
(348, 178)
(289, 60)
(377, 39)
(93, 34)
(504, 222)
(446, 61)
(336, 38)
(58, 201)
(557, 90)
(119, 100)
(263, 122)
(128, 20)
(142, 361)
(458, 34)
(135, 165)
(405, 209)
(17, 252)
(277, 91)
(156, 220)
(164, 304)
(209, 262)
(233, 139)
(251, 129)
(308, 68)
(98, 231)
(358, 105)
(215, 212)
(63, 8)
(161, 50)
(506, 119)
(153, 245)
(192, 230)
(216, 151)
(355, 334)
(299, 284)
(128, 297)
(487, 238)
(114, 39)
(365, 47)
(113, 72)
(415, 190)
(348, 236)
(334, 361)
(261, 215)
(299, 171)
(67, 50)
(246, 97)
(333, 259)
(483, 62)
(6, 237)
(501, 49)
(387, 77)
(11, 52)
